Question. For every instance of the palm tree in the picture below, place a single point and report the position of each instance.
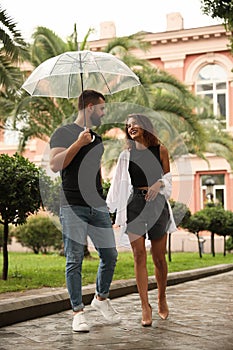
(46, 44)
(13, 50)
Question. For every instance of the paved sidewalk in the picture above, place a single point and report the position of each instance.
(23, 306)
(201, 317)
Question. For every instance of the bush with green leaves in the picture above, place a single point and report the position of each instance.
(229, 244)
(180, 212)
(40, 233)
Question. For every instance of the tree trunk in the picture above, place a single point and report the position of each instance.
(5, 252)
(224, 242)
(199, 245)
(212, 244)
(169, 247)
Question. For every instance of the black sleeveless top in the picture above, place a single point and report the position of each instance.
(145, 166)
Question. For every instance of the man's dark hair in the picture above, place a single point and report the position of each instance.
(89, 96)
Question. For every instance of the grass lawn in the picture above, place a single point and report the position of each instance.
(28, 270)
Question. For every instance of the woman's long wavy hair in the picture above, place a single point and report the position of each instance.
(148, 131)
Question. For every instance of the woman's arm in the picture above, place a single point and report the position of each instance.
(164, 157)
(159, 185)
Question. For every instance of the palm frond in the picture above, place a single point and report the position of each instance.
(14, 45)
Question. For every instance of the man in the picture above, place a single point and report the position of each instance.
(76, 152)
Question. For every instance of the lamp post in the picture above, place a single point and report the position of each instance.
(210, 189)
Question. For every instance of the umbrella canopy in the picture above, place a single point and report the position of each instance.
(68, 74)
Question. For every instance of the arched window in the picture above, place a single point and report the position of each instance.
(212, 84)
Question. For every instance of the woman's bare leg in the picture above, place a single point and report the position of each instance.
(141, 274)
(158, 251)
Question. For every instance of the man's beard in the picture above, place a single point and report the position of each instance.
(95, 120)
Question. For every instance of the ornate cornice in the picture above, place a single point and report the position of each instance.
(174, 37)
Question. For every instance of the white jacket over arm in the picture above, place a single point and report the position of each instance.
(121, 189)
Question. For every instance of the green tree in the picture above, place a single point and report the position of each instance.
(196, 223)
(215, 219)
(222, 9)
(227, 230)
(217, 223)
(20, 195)
(39, 233)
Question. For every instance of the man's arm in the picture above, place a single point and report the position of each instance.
(61, 157)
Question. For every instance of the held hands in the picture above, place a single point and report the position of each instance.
(153, 191)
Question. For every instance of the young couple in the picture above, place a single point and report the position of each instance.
(139, 192)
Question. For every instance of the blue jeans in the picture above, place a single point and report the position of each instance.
(78, 222)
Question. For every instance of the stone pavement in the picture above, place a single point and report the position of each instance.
(201, 317)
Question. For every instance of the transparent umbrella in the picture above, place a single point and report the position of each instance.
(68, 74)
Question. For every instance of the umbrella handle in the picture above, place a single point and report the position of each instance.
(93, 136)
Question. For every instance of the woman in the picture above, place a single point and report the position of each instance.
(139, 192)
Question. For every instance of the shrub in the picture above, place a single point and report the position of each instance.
(229, 244)
(180, 212)
(40, 233)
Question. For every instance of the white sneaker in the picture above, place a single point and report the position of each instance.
(106, 310)
(79, 323)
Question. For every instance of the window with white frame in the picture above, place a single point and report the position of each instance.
(212, 84)
(218, 189)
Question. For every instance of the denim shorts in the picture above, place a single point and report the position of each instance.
(149, 218)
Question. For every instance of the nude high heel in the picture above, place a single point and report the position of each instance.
(148, 323)
(163, 309)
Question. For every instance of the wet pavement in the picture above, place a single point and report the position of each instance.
(201, 317)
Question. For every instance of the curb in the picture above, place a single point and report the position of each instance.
(23, 308)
